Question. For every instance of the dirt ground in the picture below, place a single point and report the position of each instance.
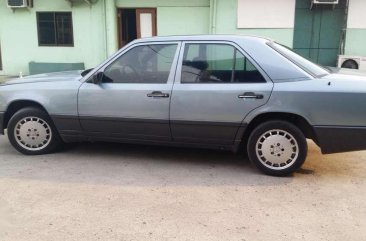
(131, 192)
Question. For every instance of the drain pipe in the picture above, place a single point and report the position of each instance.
(105, 29)
(110, 26)
(213, 8)
(342, 45)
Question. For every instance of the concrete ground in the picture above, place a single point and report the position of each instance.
(131, 192)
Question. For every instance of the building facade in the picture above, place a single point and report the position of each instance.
(71, 34)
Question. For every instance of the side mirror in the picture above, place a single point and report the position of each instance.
(98, 78)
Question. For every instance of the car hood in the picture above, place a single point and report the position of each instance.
(48, 77)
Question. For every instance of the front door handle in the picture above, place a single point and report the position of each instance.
(158, 94)
(250, 95)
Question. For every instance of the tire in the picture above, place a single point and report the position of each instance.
(277, 148)
(32, 132)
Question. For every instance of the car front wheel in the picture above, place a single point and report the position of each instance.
(31, 132)
(277, 147)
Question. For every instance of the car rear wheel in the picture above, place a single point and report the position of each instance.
(277, 147)
(31, 132)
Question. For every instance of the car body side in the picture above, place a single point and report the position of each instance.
(327, 109)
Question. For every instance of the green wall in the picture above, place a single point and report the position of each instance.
(194, 16)
(19, 40)
(176, 17)
(355, 42)
(175, 20)
(226, 23)
(161, 3)
(95, 34)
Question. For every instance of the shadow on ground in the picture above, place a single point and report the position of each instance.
(136, 165)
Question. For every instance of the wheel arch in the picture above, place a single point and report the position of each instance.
(298, 120)
(17, 105)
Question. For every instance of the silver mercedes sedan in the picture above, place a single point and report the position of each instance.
(220, 92)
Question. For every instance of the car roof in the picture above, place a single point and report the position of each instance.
(212, 37)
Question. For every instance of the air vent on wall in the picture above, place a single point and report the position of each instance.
(18, 3)
(325, 1)
(76, 2)
(352, 62)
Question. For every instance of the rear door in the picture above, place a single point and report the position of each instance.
(216, 86)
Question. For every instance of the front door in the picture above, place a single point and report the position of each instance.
(215, 88)
(132, 102)
(135, 23)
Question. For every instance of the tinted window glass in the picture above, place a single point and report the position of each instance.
(217, 63)
(55, 29)
(142, 64)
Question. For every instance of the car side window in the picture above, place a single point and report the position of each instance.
(217, 63)
(142, 64)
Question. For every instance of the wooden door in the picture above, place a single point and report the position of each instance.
(146, 22)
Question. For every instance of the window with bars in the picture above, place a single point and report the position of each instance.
(55, 29)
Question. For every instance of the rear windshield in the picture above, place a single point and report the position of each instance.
(300, 61)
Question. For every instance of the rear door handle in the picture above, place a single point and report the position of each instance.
(158, 94)
(250, 95)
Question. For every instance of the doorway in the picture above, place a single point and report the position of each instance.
(134, 23)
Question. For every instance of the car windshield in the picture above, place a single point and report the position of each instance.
(300, 61)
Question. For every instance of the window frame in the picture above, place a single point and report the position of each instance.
(230, 43)
(108, 62)
(55, 29)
